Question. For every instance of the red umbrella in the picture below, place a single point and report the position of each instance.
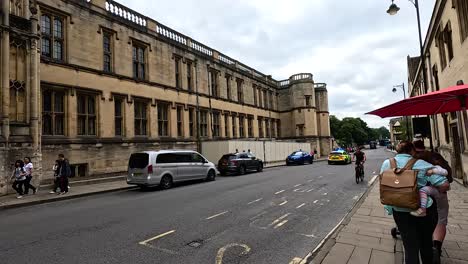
(451, 99)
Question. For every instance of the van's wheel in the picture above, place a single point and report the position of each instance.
(260, 167)
(241, 170)
(166, 182)
(211, 176)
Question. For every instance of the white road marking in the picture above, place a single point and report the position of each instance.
(278, 192)
(283, 203)
(310, 190)
(355, 197)
(145, 242)
(325, 193)
(315, 201)
(254, 201)
(322, 176)
(307, 235)
(219, 256)
(321, 204)
(216, 215)
(372, 180)
(280, 224)
(279, 219)
(297, 185)
(300, 205)
(373, 172)
(260, 214)
(310, 180)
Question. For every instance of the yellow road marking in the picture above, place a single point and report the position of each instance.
(300, 206)
(280, 224)
(254, 201)
(295, 261)
(283, 203)
(278, 192)
(145, 242)
(216, 215)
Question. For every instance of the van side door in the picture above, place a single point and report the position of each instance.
(166, 163)
(199, 166)
(184, 166)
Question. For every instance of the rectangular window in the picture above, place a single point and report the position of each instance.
(448, 41)
(240, 91)
(203, 123)
(278, 128)
(307, 100)
(241, 127)
(228, 86)
(446, 128)
(250, 127)
(277, 101)
(177, 72)
(163, 120)
(53, 113)
(216, 124)
(254, 88)
(141, 120)
(272, 128)
(189, 76)
(180, 121)
(462, 11)
(118, 116)
(107, 51)
(300, 130)
(260, 101)
(86, 111)
(226, 125)
(192, 122)
(436, 77)
(267, 128)
(441, 46)
(213, 83)
(52, 36)
(270, 99)
(265, 99)
(139, 64)
(234, 127)
(260, 128)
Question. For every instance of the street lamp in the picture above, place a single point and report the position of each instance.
(393, 10)
(402, 86)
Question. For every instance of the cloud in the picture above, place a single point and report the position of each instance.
(353, 46)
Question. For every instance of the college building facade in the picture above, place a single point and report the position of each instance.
(445, 60)
(96, 81)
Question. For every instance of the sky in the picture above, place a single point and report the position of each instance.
(354, 46)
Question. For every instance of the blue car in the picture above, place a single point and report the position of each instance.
(299, 157)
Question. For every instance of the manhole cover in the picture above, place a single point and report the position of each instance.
(195, 244)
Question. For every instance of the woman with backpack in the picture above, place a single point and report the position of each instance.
(416, 232)
(19, 175)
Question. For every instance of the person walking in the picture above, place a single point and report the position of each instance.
(28, 167)
(64, 173)
(441, 197)
(56, 169)
(19, 175)
(416, 232)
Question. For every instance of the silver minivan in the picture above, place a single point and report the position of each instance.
(163, 168)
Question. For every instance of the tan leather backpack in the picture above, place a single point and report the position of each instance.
(399, 187)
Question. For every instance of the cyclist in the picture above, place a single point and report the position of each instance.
(360, 157)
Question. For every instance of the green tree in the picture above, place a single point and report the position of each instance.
(350, 131)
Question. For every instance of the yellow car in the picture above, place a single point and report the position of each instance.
(339, 156)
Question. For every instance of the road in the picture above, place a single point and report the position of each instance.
(270, 217)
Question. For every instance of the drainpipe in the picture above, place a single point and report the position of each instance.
(5, 81)
(199, 146)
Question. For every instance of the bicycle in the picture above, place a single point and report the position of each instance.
(359, 172)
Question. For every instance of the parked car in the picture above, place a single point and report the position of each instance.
(373, 145)
(164, 168)
(299, 157)
(339, 157)
(239, 163)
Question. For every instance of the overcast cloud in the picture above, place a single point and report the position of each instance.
(353, 46)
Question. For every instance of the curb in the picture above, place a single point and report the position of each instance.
(62, 198)
(318, 254)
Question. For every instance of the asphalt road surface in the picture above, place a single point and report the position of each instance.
(270, 217)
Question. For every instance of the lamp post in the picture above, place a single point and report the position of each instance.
(402, 86)
(393, 10)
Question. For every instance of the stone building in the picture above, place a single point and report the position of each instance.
(446, 63)
(96, 81)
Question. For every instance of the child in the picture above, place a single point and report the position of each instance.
(19, 174)
(426, 191)
(55, 169)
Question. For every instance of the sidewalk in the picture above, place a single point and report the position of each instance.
(43, 196)
(365, 236)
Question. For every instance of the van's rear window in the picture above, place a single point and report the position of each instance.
(138, 160)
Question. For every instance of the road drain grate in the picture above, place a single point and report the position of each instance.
(195, 244)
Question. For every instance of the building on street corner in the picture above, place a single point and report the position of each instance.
(446, 60)
(96, 81)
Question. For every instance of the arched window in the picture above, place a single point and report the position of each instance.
(17, 102)
(16, 7)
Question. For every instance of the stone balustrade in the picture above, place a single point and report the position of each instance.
(126, 13)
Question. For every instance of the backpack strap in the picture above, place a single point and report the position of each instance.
(393, 164)
(409, 165)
